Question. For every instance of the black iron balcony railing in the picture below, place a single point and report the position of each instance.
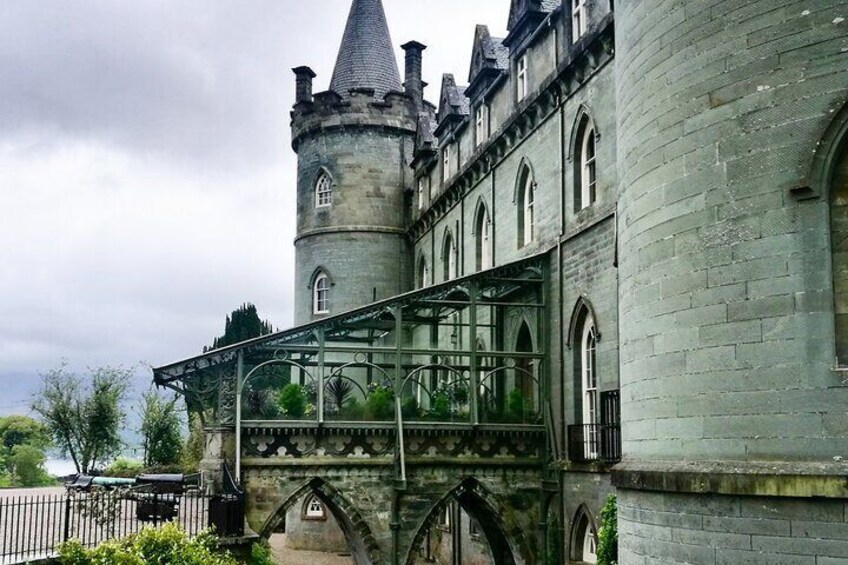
(594, 442)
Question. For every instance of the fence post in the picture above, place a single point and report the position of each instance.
(67, 530)
(155, 509)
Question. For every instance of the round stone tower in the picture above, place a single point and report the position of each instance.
(733, 409)
(354, 143)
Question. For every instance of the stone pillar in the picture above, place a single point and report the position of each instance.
(413, 82)
(303, 84)
(218, 448)
(725, 294)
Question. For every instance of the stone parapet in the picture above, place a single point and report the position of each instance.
(394, 112)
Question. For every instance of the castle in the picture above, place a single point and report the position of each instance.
(614, 262)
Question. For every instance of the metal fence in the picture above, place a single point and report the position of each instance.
(594, 442)
(32, 527)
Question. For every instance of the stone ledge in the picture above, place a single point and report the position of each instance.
(793, 479)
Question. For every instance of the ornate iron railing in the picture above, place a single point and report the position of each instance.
(594, 442)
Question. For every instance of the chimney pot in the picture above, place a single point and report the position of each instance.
(303, 84)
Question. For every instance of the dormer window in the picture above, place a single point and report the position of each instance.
(482, 123)
(323, 191)
(521, 78)
(579, 19)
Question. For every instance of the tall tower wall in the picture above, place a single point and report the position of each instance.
(732, 412)
(363, 146)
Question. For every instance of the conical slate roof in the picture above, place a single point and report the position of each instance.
(366, 58)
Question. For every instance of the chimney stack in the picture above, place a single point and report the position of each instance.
(413, 83)
(303, 82)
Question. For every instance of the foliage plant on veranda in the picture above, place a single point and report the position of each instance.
(608, 533)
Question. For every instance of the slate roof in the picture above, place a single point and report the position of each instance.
(366, 58)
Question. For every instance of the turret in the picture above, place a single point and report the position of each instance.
(350, 245)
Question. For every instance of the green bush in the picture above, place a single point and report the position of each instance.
(608, 533)
(260, 554)
(168, 544)
(27, 466)
(409, 409)
(292, 401)
(515, 403)
(352, 411)
(441, 406)
(378, 406)
(124, 468)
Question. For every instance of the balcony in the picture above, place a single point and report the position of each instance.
(590, 443)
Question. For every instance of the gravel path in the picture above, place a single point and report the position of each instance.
(286, 556)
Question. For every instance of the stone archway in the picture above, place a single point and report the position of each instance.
(360, 540)
(504, 537)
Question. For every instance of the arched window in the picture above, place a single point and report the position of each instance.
(525, 369)
(526, 201)
(839, 249)
(482, 230)
(589, 389)
(423, 273)
(585, 174)
(321, 294)
(584, 541)
(449, 258)
(323, 191)
(313, 509)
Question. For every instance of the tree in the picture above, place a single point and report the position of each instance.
(26, 466)
(160, 428)
(20, 430)
(243, 324)
(84, 420)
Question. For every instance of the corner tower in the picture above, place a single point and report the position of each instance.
(353, 143)
(733, 409)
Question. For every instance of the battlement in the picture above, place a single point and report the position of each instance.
(328, 110)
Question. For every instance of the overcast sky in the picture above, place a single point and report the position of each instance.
(146, 173)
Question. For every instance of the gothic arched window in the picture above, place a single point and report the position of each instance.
(579, 19)
(589, 389)
(839, 250)
(423, 273)
(323, 191)
(585, 171)
(483, 233)
(313, 509)
(321, 294)
(449, 257)
(526, 196)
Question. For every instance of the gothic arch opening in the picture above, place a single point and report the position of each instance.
(472, 521)
(357, 535)
(839, 250)
(584, 538)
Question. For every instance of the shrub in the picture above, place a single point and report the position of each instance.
(260, 554)
(292, 401)
(608, 533)
(27, 466)
(409, 409)
(441, 406)
(378, 406)
(124, 468)
(515, 403)
(353, 411)
(168, 544)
